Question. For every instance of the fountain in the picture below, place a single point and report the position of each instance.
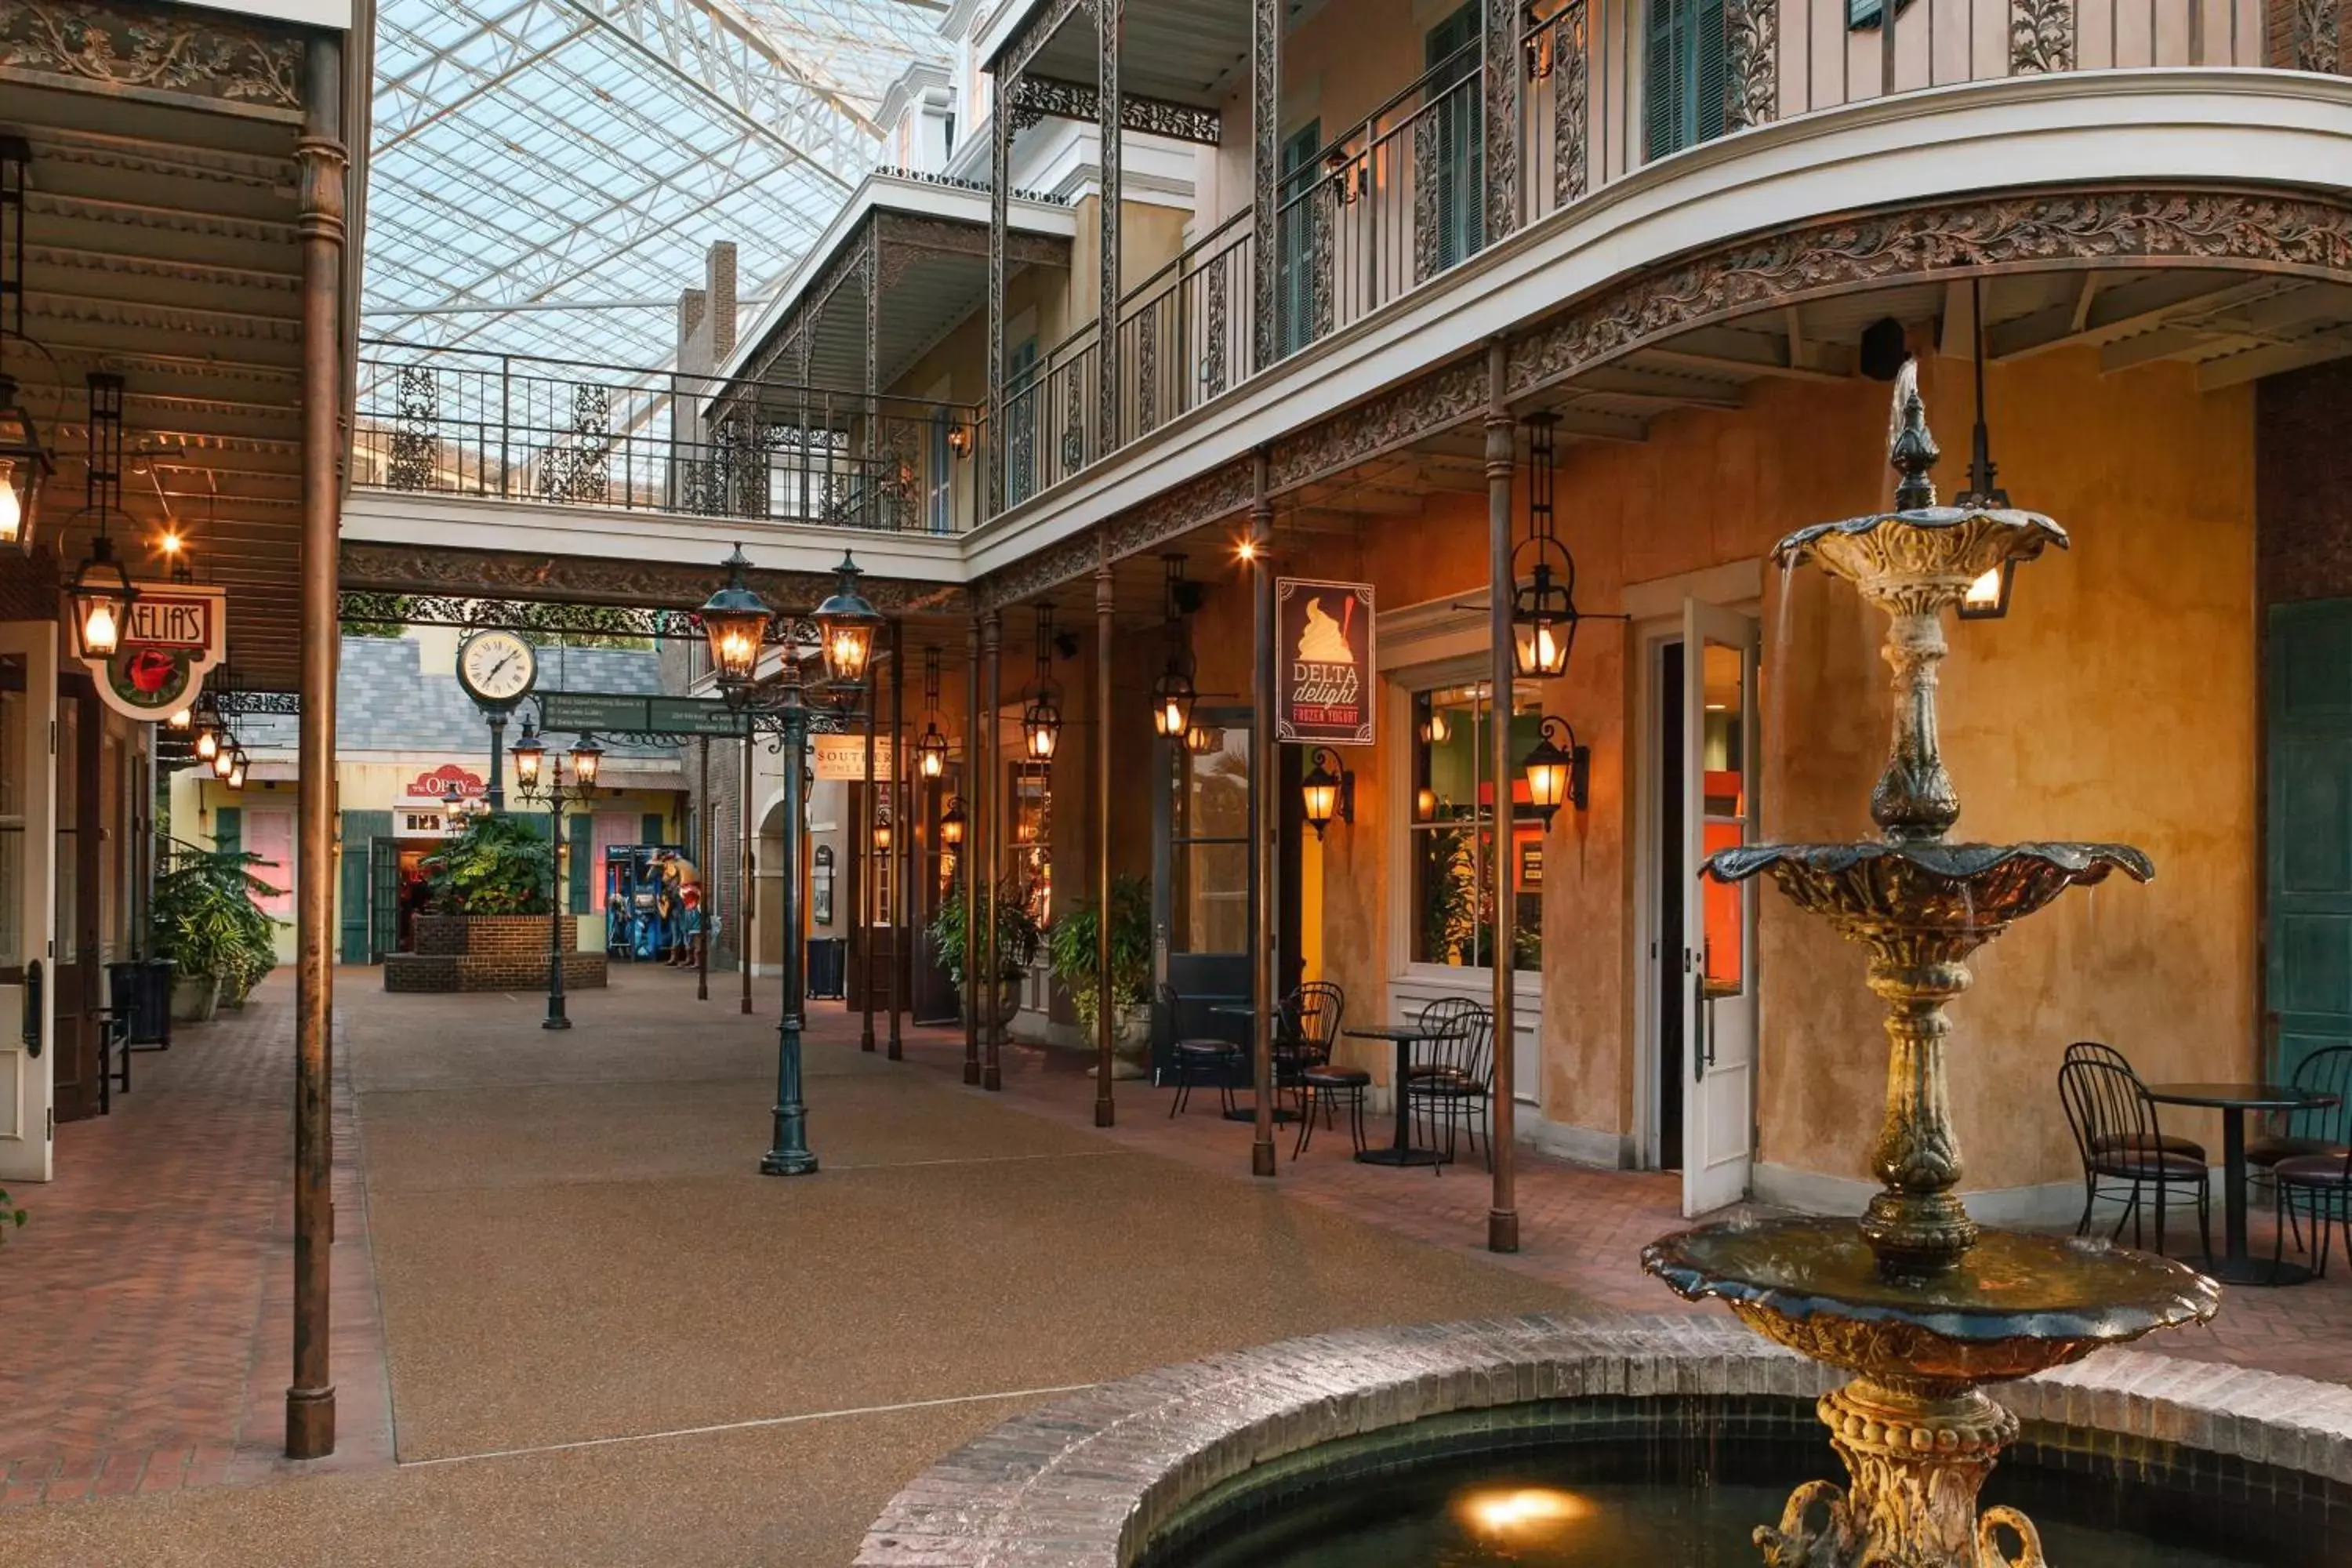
(1922, 1306)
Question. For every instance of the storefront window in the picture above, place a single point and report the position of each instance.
(1209, 842)
(1032, 839)
(1452, 831)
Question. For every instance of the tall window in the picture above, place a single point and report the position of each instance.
(1297, 217)
(1032, 839)
(1683, 81)
(1209, 842)
(1453, 832)
(939, 499)
(1460, 162)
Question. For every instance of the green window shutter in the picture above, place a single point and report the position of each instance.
(652, 825)
(1709, 52)
(361, 830)
(1684, 77)
(580, 850)
(228, 829)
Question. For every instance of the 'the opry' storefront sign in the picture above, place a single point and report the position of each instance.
(173, 633)
(435, 784)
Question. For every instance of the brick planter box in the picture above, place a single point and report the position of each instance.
(486, 953)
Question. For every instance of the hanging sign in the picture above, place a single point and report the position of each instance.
(842, 758)
(1323, 643)
(173, 633)
(436, 783)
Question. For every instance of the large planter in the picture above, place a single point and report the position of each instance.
(1130, 1042)
(489, 953)
(196, 998)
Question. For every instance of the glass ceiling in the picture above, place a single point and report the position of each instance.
(531, 156)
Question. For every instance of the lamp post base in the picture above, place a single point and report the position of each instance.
(787, 1162)
(555, 1021)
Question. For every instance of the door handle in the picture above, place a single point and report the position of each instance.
(31, 1023)
(1702, 1049)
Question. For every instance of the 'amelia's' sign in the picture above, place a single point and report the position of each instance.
(173, 633)
(1324, 633)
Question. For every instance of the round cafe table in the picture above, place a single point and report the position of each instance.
(1283, 1115)
(2234, 1100)
(1400, 1150)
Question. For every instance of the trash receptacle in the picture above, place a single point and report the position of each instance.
(829, 962)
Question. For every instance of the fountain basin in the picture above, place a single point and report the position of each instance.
(1929, 551)
(2013, 1306)
(1926, 886)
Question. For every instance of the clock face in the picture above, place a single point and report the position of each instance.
(497, 667)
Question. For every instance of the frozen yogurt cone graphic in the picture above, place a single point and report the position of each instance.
(1325, 640)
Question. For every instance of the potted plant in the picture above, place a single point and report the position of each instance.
(206, 917)
(494, 865)
(1071, 945)
(1018, 937)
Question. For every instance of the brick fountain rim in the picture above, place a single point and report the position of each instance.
(1088, 1480)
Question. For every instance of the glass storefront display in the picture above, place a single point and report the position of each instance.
(1453, 831)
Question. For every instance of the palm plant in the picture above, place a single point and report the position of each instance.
(206, 917)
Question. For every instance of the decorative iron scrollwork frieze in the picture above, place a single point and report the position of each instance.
(1035, 97)
(159, 50)
(543, 579)
(2041, 37)
(1751, 39)
(2318, 36)
(1571, 104)
(415, 429)
(251, 704)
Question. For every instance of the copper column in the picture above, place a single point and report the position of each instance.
(703, 843)
(991, 814)
(967, 853)
(869, 889)
(1265, 814)
(746, 884)
(1106, 1000)
(310, 1398)
(1503, 1217)
(902, 831)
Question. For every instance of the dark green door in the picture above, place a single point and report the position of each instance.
(2309, 983)
(362, 829)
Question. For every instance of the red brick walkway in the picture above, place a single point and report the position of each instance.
(149, 1298)
(1581, 1227)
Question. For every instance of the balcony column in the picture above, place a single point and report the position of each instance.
(1265, 815)
(1265, 162)
(1503, 1215)
(1504, 78)
(320, 152)
(1106, 1000)
(902, 836)
(968, 852)
(1000, 180)
(992, 648)
(1110, 19)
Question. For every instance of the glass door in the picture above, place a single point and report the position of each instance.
(1204, 894)
(1718, 921)
(28, 683)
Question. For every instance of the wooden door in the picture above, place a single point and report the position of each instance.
(2309, 978)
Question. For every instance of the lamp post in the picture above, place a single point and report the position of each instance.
(740, 625)
(540, 778)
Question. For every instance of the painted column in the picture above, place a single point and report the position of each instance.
(1110, 21)
(310, 1398)
(1106, 1001)
(1266, 816)
(992, 641)
(1503, 1215)
(1265, 162)
(902, 836)
(968, 852)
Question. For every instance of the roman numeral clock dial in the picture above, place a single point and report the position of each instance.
(497, 668)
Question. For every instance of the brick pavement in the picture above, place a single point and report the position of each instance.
(150, 1296)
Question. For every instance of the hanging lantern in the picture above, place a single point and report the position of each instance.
(845, 625)
(236, 771)
(207, 741)
(527, 754)
(1435, 730)
(735, 624)
(1329, 791)
(587, 757)
(1041, 716)
(1171, 702)
(1203, 738)
(102, 593)
(1558, 774)
(881, 838)
(952, 823)
(1543, 613)
(931, 753)
(225, 755)
(181, 718)
(23, 461)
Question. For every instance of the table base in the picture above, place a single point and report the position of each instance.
(2251, 1270)
(1392, 1155)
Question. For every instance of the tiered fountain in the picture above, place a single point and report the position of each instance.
(1915, 1300)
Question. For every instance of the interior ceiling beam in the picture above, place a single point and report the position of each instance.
(1624, 381)
(1729, 352)
(2271, 359)
(2114, 310)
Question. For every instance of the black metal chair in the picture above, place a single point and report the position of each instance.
(2116, 1134)
(2093, 1050)
(2324, 1183)
(1452, 1087)
(1200, 1059)
(1304, 1025)
(2317, 1130)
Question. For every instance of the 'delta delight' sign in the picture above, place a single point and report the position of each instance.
(173, 633)
(1323, 635)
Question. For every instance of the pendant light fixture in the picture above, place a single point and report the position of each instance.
(102, 593)
(1041, 717)
(23, 461)
(1173, 695)
(932, 750)
(1543, 613)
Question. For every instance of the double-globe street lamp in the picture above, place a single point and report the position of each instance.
(539, 778)
(740, 625)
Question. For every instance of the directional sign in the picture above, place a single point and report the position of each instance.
(580, 713)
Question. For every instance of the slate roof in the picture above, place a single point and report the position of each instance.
(385, 701)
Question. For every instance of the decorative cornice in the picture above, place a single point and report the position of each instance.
(208, 224)
(596, 580)
(1035, 97)
(171, 54)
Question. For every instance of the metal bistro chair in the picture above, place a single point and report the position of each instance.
(1199, 1057)
(1453, 1087)
(1314, 1013)
(2325, 1182)
(2116, 1134)
(1446, 1018)
(2094, 1051)
(1304, 1025)
(2325, 1130)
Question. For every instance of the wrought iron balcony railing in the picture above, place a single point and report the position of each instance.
(520, 428)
